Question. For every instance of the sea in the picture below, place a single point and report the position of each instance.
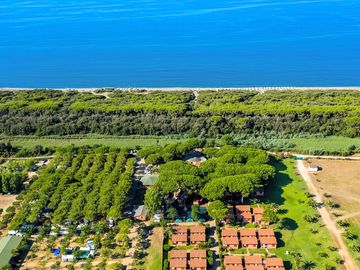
(179, 43)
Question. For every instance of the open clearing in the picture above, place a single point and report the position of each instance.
(154, 259)
(112, 141)
(6, 201)
(288, 191)
(341, 180)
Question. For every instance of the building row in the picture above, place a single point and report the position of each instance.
(252, 262)
(244, 214)
(192, 259)
(234, 238)
(193, 235)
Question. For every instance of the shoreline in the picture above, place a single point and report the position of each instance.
(258, 89)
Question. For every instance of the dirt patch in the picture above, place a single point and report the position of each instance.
(341, 180)
(6, 201)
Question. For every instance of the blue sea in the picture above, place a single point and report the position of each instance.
(179, 43)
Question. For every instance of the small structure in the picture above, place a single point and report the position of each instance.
(249, 242)
(247, 232)
(140, 213)
(179, 239)
(178, 254)
(149, 180)
(230, 243)
(252, 260)
(243, 213)
(274, 264)
(314, 168)
(7, 245)
(230, 238)
(268, 242)
(197, 234)
(178, 264)
(266, 233)
(198, 264)
(195, 158)
(234, 262)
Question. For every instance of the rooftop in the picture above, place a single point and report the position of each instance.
(274, 262)
(149, 180)
(179, 238)
(177, 263)
(178, 254)
(249, 241)
(253, 259)
(198, 253)
(243, 208)
(266, 232)
(235, 259)
(197, 229)
(198, 263)
(248, 232)
(268, 240)
(229, 232)
(231, 240)
(140, 211)
(7, 244)
(197, 237)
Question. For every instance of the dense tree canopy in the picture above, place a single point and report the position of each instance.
(79, 184)
(229, 169)
(211, 113)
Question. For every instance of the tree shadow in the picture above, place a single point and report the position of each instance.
(274, 189)
(280, 242)
(287, 265)
(282, 211)
(288, 224)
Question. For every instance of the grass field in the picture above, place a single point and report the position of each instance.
(308, 145)
(154, 259)
(288, 191)
(327, 144)
(112, 141)
(340, 180)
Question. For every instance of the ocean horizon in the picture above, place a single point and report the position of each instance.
(190, 43)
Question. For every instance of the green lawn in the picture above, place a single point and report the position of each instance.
(288, 191)
(61, 141)
(329, 144)
(155, 252)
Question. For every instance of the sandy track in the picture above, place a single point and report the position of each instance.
(329, 223)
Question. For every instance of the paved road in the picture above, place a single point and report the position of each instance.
(325, 215)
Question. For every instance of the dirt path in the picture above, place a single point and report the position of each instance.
(325, 215)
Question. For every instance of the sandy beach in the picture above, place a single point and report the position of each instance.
(259, 89)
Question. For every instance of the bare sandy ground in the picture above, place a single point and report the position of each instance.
(6, 201)
(325, 215)
(260, 89)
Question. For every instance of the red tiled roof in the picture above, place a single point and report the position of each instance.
(235, 259)
(253, 259)
(234, 267)
(179, 238)
(180, 229)
(266, 232)
(198, 237)
(249, 240)
(274, 262)
(246, 215)
(178, 254)
(198, 263)
(258, 217)
(258, 210)
(243, 208)
(229, 232)
(230, 240)
(198, 253)
(177, 263)
(197, 229)
(248, 232)
(268, 240)
(255, 267)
